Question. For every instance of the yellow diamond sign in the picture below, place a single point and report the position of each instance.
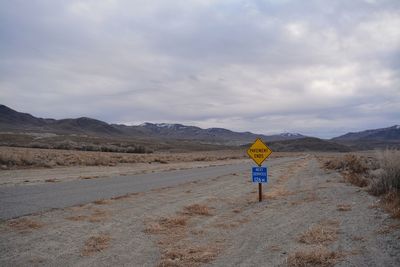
(259, 152)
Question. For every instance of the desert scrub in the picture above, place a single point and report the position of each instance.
(353, 167)
(350, 162)
(387, 182)
(389, 178)
(18, 158)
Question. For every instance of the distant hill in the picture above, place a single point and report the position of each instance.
(308, 144)
(11, 120)
(369, 139)
(389, 133)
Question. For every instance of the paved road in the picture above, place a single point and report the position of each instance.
(23, 200)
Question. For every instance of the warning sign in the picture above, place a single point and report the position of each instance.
(259, 152)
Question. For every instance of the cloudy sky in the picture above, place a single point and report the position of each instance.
(320, 68)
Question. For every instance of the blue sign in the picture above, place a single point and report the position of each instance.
(260, 175)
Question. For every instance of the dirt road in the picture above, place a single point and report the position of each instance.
(309, 215)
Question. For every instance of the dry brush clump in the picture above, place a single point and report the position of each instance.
(166, 225)
(343, 207)
(176, 248)
(389, 178)
(24, 224)
(318, 256)
(197, 209)
(188, 256)
(96, 244)
(16, 157)
(353, 167)
(387, 182)
(322, 233)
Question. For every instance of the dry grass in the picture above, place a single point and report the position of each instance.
(175, 221)
(276, 193)
(96, 244)
(17, 158)
(350, 162)
(356, 179)
(389, 229)
(122, 197)
(51, 180)
(275, 248)
(389, 161)
(77, 218)
(89, 177)
(24, 224)
(153, 228)
(319, 256)
(101, 202)
(322, 233)
(197, 209)
(176, 248)
(96, 216)
(166, 224)
(391, 203)
(387, 183)
(188, 256)
(343, 207)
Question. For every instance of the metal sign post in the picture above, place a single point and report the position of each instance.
(259, 152)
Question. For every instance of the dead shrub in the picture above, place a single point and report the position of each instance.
(349, 162)
(177, 221)
(96, 216)
(319, 256)
(322, 233)
(387, 182)
(343, 207)
(389, 178)
(354, 164)
(89, 177)
(188, 256)
(389, 229)
(391, 203)
(122, 197)
(197, 209)
(356, 179)
(153, 228)
(96, 244)
(24, 224)
(101, 202)
(160, 161)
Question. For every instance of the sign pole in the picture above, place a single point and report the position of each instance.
(259, 189)
(259, 152)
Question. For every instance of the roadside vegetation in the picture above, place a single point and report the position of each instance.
(380, 175)
(17, 158)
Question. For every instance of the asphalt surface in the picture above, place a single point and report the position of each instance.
(23, 200)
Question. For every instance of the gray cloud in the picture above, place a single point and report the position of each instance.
(318, 67)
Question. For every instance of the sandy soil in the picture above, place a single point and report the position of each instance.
(308, 213)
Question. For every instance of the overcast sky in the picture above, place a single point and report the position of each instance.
(320, 68)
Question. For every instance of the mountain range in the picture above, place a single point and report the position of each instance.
(11, 120)
(17, 122)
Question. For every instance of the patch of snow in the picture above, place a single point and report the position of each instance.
(289, 134)
(165, 125)
(397, 126)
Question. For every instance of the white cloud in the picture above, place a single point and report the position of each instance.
(267, 66)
